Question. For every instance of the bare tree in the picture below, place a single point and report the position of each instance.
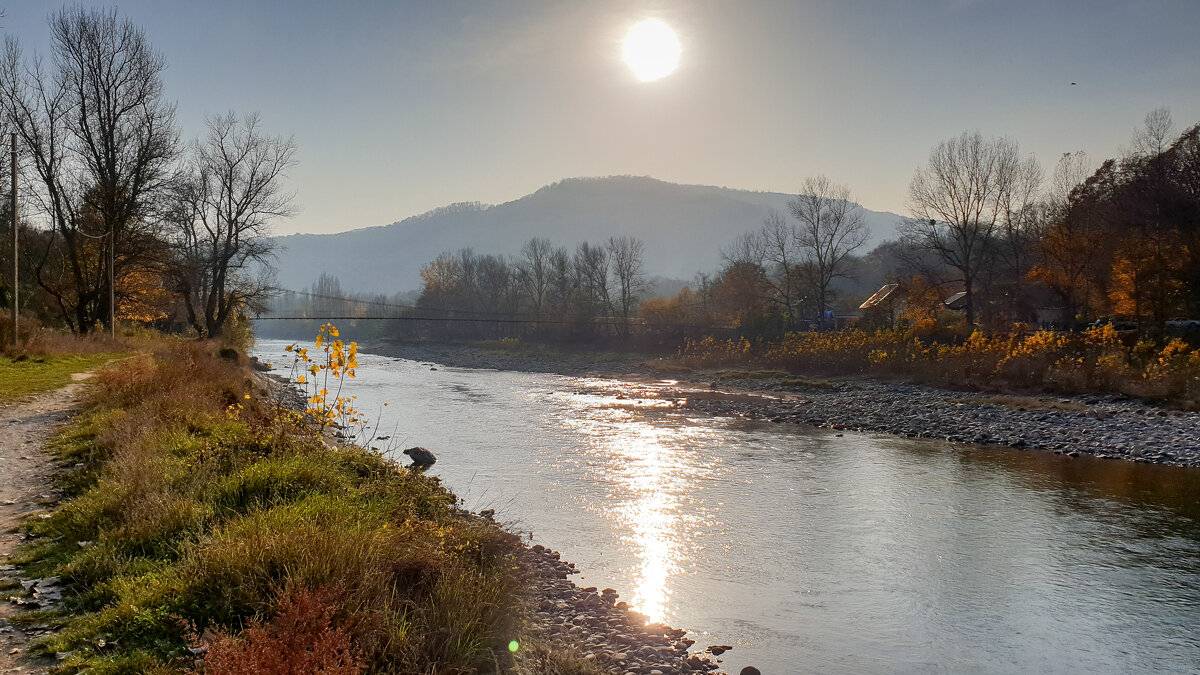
(958, 200)
(101, 139)
(1155, 135)
(591, 270)
(777, 244)
(534, 267)
(831, 228)
(626, 254)
(562, 280)
(230, 193)
(1024, 215)
(122, 128)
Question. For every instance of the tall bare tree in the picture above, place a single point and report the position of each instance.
(626, 254)
(534, 267)
(1022, 223)
(591, 271)
(227, 198)
(1155, 134)
(778, 246)
(831, 229)
(101, 138)
(957, 201)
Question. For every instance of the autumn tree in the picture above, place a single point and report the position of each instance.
(957, 201)
(230, 192)
(1068, 244)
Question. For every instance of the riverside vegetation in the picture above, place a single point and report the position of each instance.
(206, 528)
(1095, 361)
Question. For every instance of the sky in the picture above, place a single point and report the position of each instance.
(401, 107)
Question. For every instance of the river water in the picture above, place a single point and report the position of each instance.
(808, 550)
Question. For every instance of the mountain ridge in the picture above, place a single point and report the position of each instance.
(683, 227)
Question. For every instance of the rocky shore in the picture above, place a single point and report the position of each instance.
(1109, 427)
(601, 628)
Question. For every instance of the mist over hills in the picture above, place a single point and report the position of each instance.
(683, 227)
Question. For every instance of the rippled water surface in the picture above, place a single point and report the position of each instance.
(814, 552)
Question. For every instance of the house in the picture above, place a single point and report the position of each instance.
(882, 307)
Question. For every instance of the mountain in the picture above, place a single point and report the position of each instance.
(684, 228)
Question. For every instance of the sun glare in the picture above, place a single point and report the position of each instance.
(651, 50)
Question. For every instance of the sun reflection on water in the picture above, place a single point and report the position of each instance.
(652, 469)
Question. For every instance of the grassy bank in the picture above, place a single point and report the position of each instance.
(204, 520)
(25, 375)
(1096, 361)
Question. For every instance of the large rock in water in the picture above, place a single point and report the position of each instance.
(422, 458)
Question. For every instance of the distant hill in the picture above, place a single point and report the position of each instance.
(683, 226)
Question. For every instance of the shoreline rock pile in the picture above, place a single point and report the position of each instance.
(605, 630)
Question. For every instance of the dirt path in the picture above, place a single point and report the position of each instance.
(26, 488)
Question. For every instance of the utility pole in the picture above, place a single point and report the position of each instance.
(112, 284)
(15, 279)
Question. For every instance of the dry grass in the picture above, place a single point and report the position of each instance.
(200, 503)
(1096, 361)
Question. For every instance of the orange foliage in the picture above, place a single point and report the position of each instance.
(299, 640)
(142, 297)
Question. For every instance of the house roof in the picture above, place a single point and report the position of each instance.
(956, 301)
(881, 295)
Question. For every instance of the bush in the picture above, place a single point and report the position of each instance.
(300, 639)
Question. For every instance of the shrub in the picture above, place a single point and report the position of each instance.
(298, 640)
(1094, 361)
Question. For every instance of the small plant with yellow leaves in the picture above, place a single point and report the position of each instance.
(323, 378)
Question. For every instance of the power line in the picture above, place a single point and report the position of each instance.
(552, 322)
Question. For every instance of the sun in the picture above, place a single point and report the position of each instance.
(651, 50)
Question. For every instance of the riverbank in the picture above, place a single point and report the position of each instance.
(1109, 427)
(205, 526)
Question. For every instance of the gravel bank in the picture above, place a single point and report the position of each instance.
(603, 629)
(1108, 427)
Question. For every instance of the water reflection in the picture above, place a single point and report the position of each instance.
(649, 462)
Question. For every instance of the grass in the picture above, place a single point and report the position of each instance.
(198, 507)
(26, 375)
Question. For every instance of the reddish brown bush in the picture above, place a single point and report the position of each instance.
(299, 640)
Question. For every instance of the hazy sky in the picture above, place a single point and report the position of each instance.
(400, 107)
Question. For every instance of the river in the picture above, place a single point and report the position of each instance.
(814, 551)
